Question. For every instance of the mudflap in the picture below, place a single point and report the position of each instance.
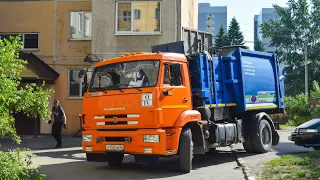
(197, 134)
(275, 137)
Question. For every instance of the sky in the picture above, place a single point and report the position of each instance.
(244, 11)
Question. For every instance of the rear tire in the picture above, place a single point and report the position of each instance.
(115, 159)
(186, 150)
(262, 141)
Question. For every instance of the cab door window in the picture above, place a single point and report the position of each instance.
(169, 78)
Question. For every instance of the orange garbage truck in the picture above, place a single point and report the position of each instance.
(182, 101)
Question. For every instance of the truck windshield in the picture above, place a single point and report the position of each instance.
(133, 74)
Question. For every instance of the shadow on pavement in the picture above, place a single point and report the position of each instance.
(283, 148)
(82, 169)
(39, 143)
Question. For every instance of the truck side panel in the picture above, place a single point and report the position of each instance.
(246, 79)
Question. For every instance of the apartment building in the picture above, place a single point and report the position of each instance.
(56, 38)
(219, 15)
(265, 15)
(122, 26)
(58, 35)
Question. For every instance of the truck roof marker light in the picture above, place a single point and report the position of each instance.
(98, 117)
(133, 115)
(132, 122)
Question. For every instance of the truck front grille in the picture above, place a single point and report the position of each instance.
(118, 139)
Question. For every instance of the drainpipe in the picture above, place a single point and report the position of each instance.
(175, 21)
(54, 30)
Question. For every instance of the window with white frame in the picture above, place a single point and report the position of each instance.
(30, 41)
(76, 86)
(80, 25)
(138, 17)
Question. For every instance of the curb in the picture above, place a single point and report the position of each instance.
(245, 168)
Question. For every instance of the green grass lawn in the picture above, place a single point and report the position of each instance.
(302, 166)
(287, 126)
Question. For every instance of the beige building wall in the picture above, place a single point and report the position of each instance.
(51, 19)
(68, 54)
(189, 14)
(107, 43)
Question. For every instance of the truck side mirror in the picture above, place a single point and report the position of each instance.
(281, 78)
(177, 74)
(82, 73)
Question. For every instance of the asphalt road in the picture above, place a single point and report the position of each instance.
(70, 162)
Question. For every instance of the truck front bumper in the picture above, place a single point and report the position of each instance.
(126, 141)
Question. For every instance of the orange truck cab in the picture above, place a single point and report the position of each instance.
(145, 117)
(164, 104)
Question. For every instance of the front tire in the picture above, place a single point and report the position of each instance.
(186, 150)
(262, 141)
(115, 159)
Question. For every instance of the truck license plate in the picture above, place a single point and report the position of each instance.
(115, 147)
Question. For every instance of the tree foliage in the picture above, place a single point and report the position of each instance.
(296, 27)
(235, 36)
(258, 46)
(15, 97)
(221, 39)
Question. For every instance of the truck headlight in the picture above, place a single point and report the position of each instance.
(87, 137)
(307, 130)
(151, 138)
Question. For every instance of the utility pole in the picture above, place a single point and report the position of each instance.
(210, 24)
(306, 67)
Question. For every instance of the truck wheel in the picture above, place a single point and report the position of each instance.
(263, 141)
(186, 150)
(94, 157)
(115, 159)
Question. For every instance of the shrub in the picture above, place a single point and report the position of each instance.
(315, 93)
(298, 109)
(17, 165)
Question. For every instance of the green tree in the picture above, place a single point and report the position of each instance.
(30, 99)
(258, 46)
(235, 36)
(221, 39)
(296, 27)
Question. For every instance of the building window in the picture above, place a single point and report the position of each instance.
(157, 13)
(76, 86)
(126, 16)
(137, 14)
(30, 41)
(80, 25)
(138, 17)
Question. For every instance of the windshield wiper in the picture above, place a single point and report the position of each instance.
(137, 88)
(115, 88)
(131, 86)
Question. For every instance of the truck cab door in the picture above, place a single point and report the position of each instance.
(175, 93)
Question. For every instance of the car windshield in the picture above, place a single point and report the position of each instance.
(133, 74)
